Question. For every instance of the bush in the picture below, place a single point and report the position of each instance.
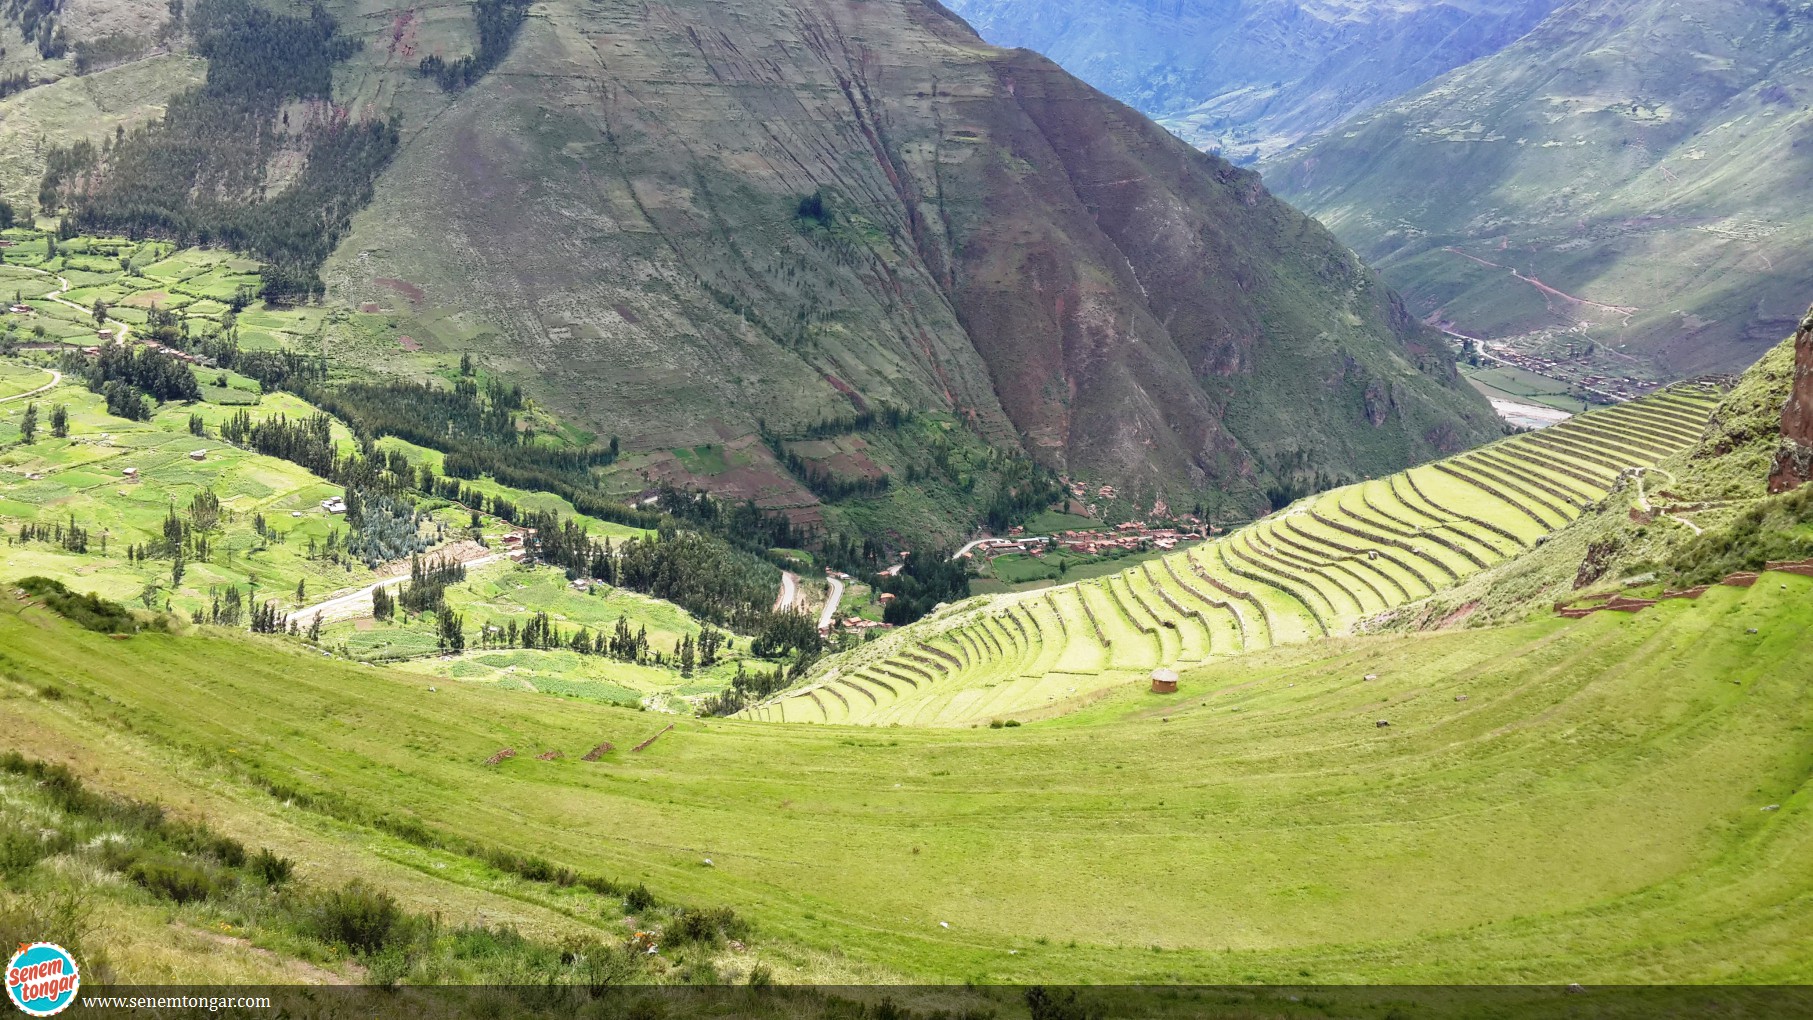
(272, 869)
(638, 899)
(359, 917)
(705, 925)
(174, 878)
(90, 611)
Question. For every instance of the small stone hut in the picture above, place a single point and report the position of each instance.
(1164, 681)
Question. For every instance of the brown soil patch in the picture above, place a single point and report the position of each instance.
(626, 315)
(146, 299)
(600, 751)
(1458, 617)
(369, 308)
(549, 756)
(409, 343)
(506, 753)
(652, 739)
(409, 290)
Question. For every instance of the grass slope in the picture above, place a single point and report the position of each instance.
(1622, 798)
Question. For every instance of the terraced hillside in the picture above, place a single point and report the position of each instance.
(1311, 571)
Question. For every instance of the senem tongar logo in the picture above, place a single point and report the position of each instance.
(42, 979)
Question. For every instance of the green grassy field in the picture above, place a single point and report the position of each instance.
(1320, 567)
(1608, 800)
(1505, 383)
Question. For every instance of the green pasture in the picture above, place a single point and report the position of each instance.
(1618, 799)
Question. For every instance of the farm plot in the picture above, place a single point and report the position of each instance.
(1314, 569)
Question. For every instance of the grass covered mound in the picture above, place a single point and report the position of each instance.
(90, 611)
(1616, 799)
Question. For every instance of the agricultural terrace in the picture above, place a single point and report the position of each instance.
(1310, 571)
(54, 485)
(205, 291)
(1603, 800)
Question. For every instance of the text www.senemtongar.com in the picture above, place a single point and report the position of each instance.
(174, 1002)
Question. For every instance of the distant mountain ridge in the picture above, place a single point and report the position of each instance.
(1249, 78)
(1642, 165)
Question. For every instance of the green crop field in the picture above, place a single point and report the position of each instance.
(1617, 799)
(1315, 569)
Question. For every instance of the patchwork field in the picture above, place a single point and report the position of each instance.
(1609, 800)
(1313, 570)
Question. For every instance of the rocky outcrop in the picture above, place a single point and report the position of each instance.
(1794, 462)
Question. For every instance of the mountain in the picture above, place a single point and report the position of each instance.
(689, 222)
(1626, 183)
(749, 240)
(1249, 78)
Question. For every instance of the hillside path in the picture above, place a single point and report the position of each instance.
(355, 604)
(829, 613)
(56, 379)
(123, 327)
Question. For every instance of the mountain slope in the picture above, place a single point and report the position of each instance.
(690, 220)
(1251, 77)
(1643, 161)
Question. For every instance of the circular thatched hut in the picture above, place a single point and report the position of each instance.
(1164, 681)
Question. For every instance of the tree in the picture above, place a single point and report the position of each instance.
(176, 570)
(7, 215)
(28, 426)
(59, 421)
(100, 312)
(197, 426)
(465, 364)
(314, 629)
(301, 590)
(450, 627)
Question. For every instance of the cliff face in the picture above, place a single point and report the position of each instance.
(687, 219)
(1794, 464)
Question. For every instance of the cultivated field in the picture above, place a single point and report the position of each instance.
(1608, 800)
(1314, 570)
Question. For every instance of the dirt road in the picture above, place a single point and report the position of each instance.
(356, 604)
(829, 613)
(789, 596)
(56, 379)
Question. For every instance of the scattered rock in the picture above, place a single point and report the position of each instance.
(1576, 990)
(1773, 807)
(1382, 723)
(549, 756)
(1460, 697)
(508, 752)
(944, 924)
(1370, 677)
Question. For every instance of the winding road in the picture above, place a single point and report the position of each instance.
(355, 604)
(56, 379)
(121, 326)
(789, 596)
(829, 613)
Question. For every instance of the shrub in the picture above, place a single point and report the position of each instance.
(174, 878)
(359, 917)
(638, 899)
(272, 869)
(90, 611)
(705, 925)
